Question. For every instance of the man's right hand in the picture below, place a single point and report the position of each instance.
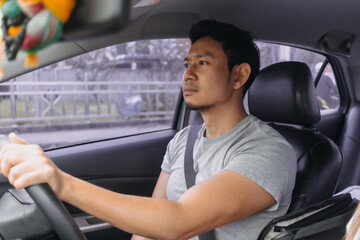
(26, 164)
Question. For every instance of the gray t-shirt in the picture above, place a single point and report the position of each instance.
(251, 148)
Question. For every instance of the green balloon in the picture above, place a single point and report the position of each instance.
(10, 9)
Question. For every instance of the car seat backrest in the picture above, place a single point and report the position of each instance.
(284, 95)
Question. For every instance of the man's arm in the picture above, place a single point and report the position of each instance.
(159, 192)
(224, 198)
(161, 185)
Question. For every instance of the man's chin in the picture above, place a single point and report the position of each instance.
(199, 108)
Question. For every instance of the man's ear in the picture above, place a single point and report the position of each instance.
(241, 74)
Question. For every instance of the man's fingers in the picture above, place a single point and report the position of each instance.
(14, 173)
(12, 155)
(7, 160)
(4, 164)
(28, 179)
(16, 139)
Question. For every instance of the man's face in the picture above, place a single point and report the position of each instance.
(207, 81)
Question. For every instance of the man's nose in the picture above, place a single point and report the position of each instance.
(190, 74)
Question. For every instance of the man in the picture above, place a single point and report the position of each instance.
(245, 169)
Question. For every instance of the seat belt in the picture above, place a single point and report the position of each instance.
(189, 171)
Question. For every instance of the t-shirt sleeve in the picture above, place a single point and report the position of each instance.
(166, 164)
(175, 150)
(270, 163)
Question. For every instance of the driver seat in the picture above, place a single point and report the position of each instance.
(283, 94)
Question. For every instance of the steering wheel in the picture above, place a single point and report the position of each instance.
(55, 212)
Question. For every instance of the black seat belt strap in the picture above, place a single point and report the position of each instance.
(189, 171)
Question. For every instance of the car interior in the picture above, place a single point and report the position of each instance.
(285, 94)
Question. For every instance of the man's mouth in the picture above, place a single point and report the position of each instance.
(188, 91)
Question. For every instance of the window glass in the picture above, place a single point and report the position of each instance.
(327, 90)
(121, 90)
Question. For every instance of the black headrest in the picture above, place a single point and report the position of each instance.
(285, 92)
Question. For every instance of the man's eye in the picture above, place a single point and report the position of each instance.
(202, 62)
(186, 65)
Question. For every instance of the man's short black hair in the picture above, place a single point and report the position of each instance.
(238, 45)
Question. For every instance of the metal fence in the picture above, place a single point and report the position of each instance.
(58, 102)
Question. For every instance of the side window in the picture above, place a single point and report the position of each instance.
(126, 89)
(326, 87)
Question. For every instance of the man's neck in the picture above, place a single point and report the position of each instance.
(220, 121)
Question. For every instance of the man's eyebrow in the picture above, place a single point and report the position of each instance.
(205, 54)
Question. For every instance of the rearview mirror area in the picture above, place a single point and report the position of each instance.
(92, 18)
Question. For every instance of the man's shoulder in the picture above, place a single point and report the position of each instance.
(180, 137)
(182, 134)
(262, 129)
(261, 135)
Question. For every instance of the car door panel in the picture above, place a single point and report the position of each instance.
(127, 165)
(134, 156)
